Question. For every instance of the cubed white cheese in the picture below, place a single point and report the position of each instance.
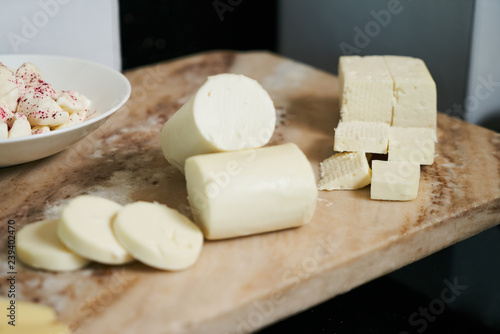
(366, 88)
(354, 136)
(345, 171)
(394, 180)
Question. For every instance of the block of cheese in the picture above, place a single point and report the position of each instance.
(251, 191)
(412, 144)
(158, 236)
(348, 170)
(38, 246)
(394, 180)
(356, 136)
(86, 228)
(31, 314)
(366, 89)
(414, 93)
(229, 112)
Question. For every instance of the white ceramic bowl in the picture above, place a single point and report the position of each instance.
(106, 88)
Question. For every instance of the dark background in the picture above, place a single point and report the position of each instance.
(153, 31)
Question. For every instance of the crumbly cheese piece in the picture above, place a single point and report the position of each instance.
(158, 236)
(366, 88)
(38, 246)
(229, 112)
(86, 228)
(20, 126)
(251, 191)
(76, 117)
(4, 131)
(414, 93)
(41, 109)
(394, 180)
(39, 129)
(345, 171)
(71, 101)
(9, 88)
(356, 136)
(412, 144)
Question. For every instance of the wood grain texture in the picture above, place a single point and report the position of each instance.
(240, 285)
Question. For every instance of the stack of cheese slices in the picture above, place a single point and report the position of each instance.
(388, 106)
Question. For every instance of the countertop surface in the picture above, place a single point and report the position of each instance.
(243, 284)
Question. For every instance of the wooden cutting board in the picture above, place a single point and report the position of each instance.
(243, 284)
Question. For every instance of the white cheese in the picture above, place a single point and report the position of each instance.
(38, 246)
(345, 171)
(355, 136)
(412, 144)
(251, 191)
(158, 236)
(229, 112)
(366, 88)
(86, 228)
(394, 180)
(414, 93)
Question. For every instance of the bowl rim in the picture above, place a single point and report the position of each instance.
(96, 119)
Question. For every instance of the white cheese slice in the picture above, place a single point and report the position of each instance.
(356, 136)
(366, 88)
(345, 171)
(229, 112)
(412, 144)
(414, 93)
(86, 228)
(394, 180)
(158, 236)
(251, 191)
(38, 246)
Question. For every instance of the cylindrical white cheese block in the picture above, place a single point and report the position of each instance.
(250, 191)
(229, 112)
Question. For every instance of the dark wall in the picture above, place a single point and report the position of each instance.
(156, 30)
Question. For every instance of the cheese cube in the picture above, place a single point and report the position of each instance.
(345, 171)
(394, 180)
(372, 137)
(414, 93)
(366, 87)
(412, 144)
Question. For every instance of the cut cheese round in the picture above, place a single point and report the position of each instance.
(85, 228)
(158, 236)
(30, 314)
(229, 112)
(251, 191)
(38, 246)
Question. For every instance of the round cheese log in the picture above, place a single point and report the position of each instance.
(158, 236)
(38, 246)
(86, 228)
(229, 112)
(251, 191)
